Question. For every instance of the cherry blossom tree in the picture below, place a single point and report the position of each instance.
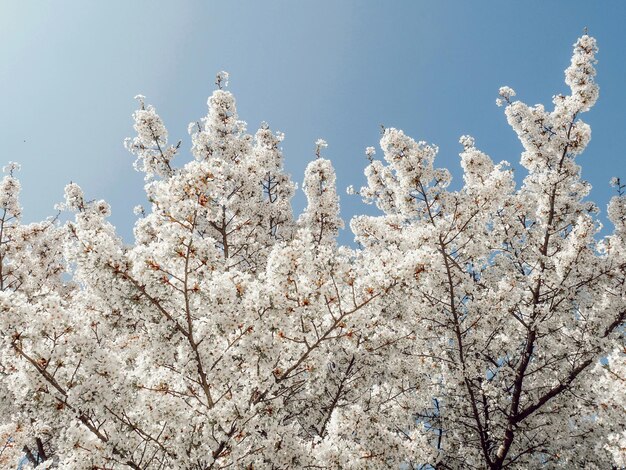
(477, 328)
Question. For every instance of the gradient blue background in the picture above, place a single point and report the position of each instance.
(329, 69)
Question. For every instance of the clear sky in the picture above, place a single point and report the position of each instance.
(313, 69)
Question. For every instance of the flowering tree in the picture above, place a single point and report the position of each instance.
(478, 328)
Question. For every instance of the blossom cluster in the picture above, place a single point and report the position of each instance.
(472, 328)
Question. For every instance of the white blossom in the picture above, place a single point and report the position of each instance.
(480, 327)
(221, 79)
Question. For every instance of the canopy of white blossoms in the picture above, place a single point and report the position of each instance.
(478, 328)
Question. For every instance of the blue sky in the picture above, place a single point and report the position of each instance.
(313, 69)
